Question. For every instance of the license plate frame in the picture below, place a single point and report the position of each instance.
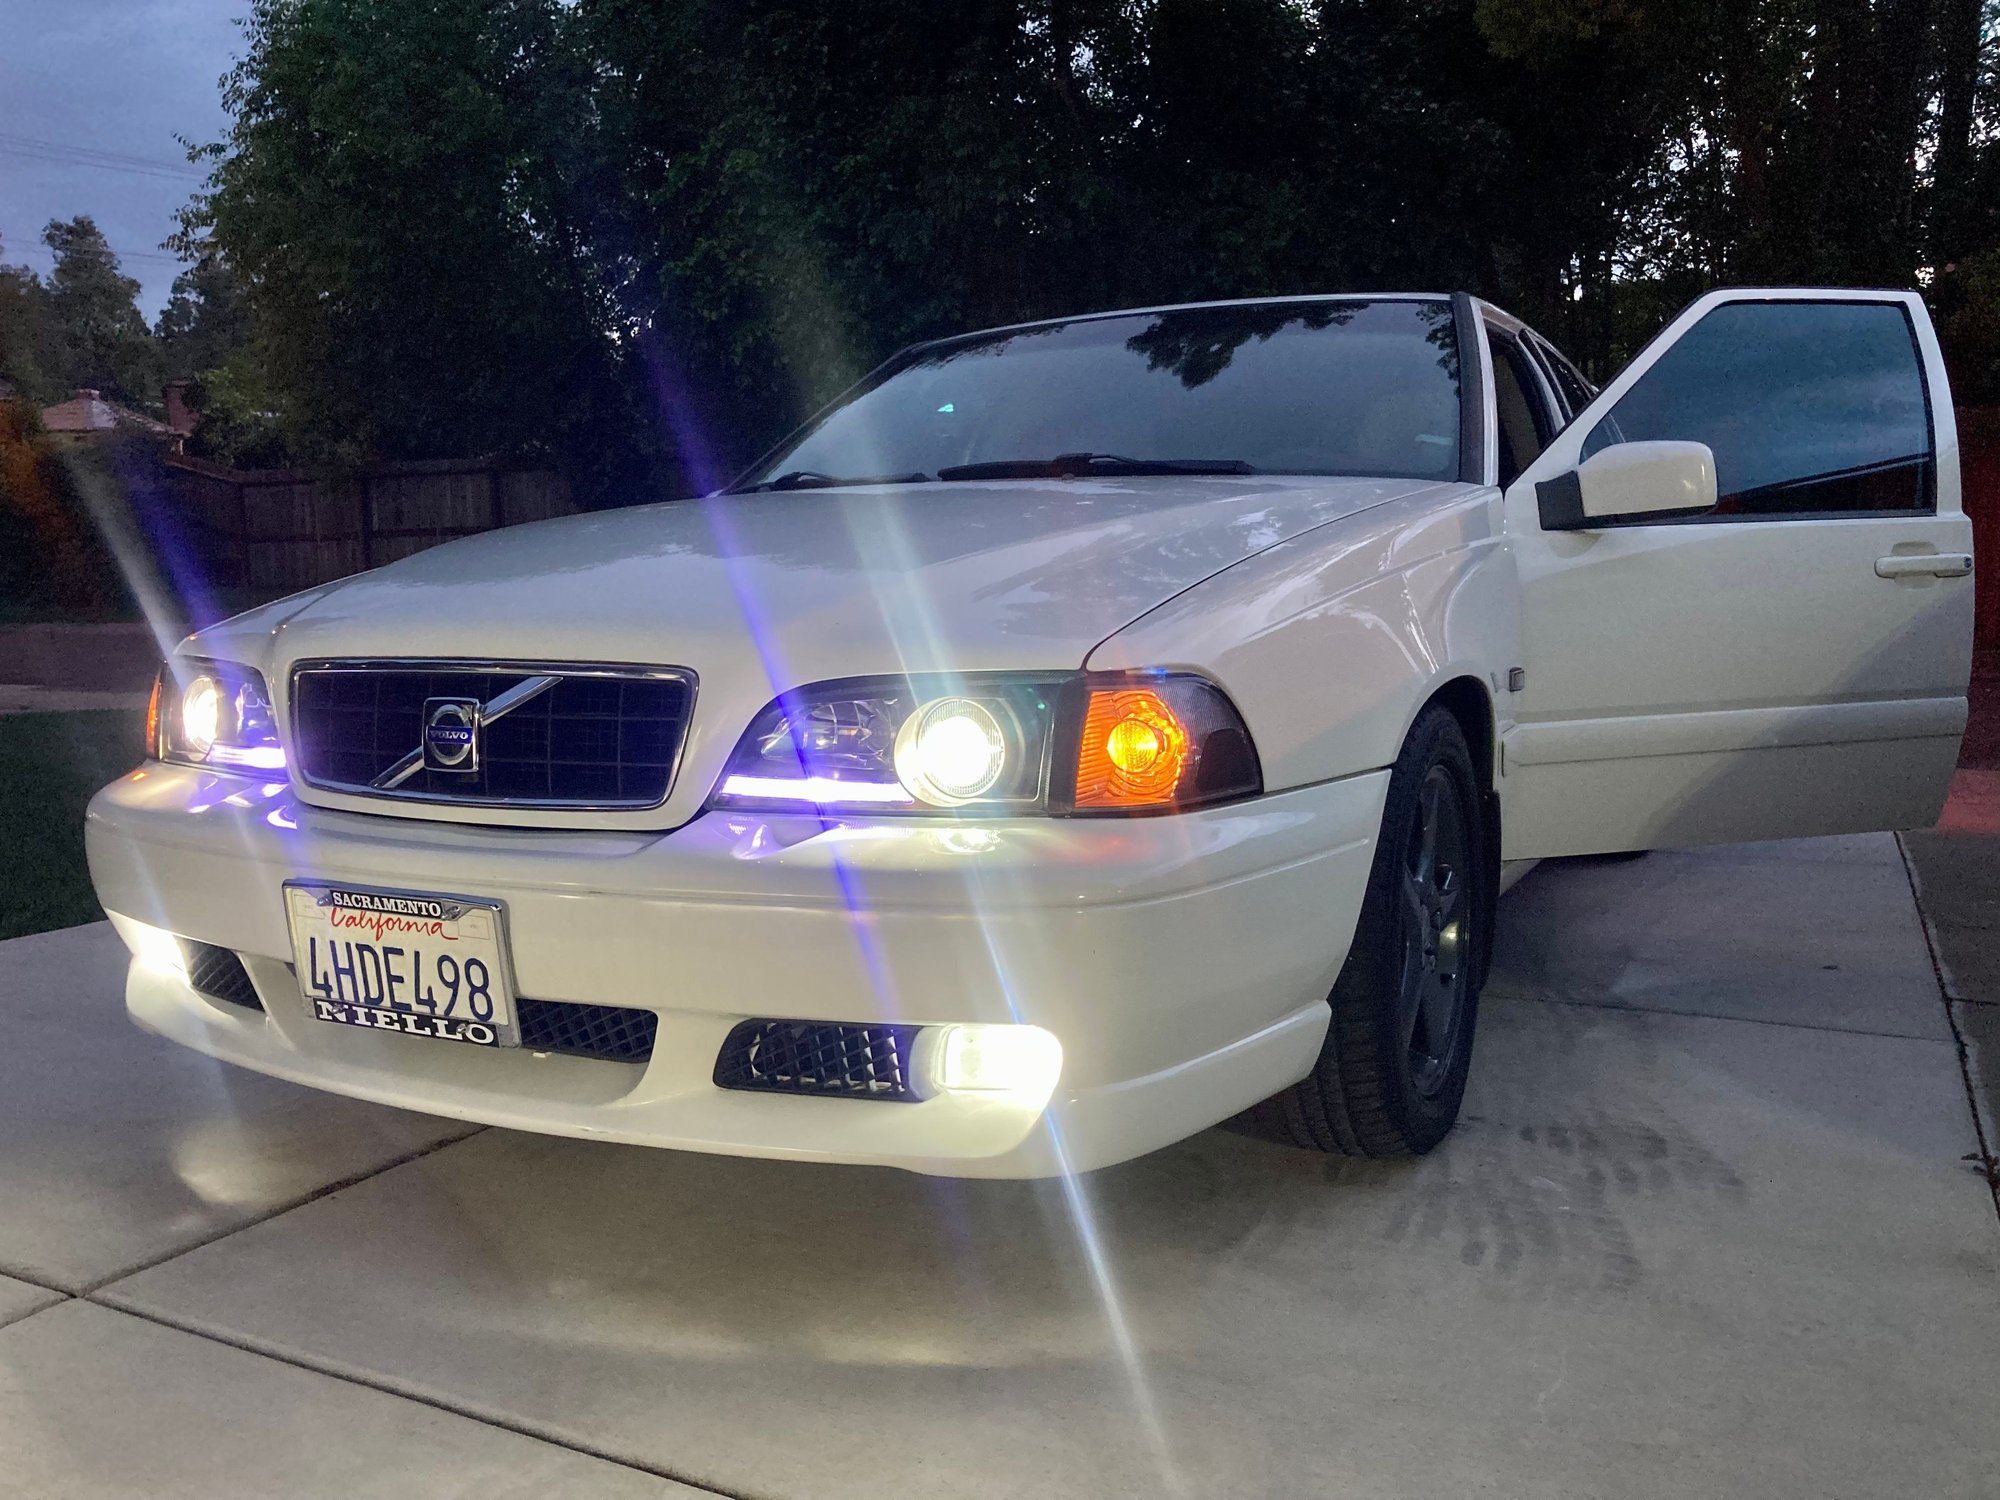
(413, 1006)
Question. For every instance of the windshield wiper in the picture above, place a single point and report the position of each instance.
(1084, 465)
(812, 479)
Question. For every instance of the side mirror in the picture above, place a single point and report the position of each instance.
(1629, 482)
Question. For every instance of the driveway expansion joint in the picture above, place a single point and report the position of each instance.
(8, 1320)
(1988, 1165)
(1706, 1015)
(409, 1393)
(40, 1279)
(324, 1190)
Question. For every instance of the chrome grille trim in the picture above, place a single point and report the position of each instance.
(542, 675)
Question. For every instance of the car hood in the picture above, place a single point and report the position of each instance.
(806, 585)
(757, 594)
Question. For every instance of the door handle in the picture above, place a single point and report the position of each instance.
(1924, 565)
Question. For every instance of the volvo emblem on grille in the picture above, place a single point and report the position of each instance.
(451, 734)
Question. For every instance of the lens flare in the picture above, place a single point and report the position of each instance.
(201, 714)
(951, 751)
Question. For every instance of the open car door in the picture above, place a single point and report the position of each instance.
(1746, 586)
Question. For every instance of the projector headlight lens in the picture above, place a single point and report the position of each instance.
(951, 751)
(201, 715)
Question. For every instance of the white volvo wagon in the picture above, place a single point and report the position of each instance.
(1080, 733)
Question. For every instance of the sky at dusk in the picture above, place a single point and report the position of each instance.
(92, 96)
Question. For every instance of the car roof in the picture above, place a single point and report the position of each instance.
(1165, 307)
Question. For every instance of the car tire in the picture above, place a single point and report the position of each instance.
(1384, 1085)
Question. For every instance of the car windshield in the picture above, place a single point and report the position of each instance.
(1335, 387)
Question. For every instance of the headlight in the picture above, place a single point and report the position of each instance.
(909, 745)
(995, 744)
(201, 715)
(952, 751)
(212, 713)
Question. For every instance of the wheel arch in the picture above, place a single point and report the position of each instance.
(1471, 703)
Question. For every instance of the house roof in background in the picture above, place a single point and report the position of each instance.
(90, 412)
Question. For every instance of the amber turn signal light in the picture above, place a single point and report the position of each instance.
(1159, 742)
(1134, 750)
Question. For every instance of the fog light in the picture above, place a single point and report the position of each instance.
(153, 946)
(1020, 1060)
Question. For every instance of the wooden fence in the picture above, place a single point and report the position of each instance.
(277, 530)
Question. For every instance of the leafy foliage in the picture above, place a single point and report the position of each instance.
(205, 322)
(53, 559)
(81, 327)
(1971, 331)
(31, 351)
(393, 195)
(107, 343)
(642, 239)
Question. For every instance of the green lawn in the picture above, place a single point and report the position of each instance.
(49, 766)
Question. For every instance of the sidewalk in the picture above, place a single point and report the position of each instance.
(1709, 1227)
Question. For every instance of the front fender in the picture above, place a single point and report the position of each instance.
(1331, 642)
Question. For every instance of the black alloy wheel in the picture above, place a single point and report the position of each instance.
(1435, 914)
(1391, 1075)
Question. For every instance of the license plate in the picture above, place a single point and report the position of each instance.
(403, 961)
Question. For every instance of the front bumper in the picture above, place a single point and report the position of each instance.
(1183, 962)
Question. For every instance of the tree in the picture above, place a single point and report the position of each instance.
(52, 556)
(104, 339)
(642, 240)
(805, 187)
(31, 352)
(395, 198)
(205, 321)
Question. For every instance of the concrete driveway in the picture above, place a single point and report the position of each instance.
(1713, 1224)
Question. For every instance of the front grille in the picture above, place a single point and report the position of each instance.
(618, 1033)
(219, 974)
(828, 1058)
(602, 737)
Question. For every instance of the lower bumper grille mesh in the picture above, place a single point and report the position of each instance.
(828, 1058)
(618, 1033)
(219, 974)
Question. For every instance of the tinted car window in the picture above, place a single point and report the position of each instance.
(1337, 387)
(1517, 401)
(1576, 392)
(1810, 407)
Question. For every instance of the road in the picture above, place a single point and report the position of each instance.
(52, 668)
